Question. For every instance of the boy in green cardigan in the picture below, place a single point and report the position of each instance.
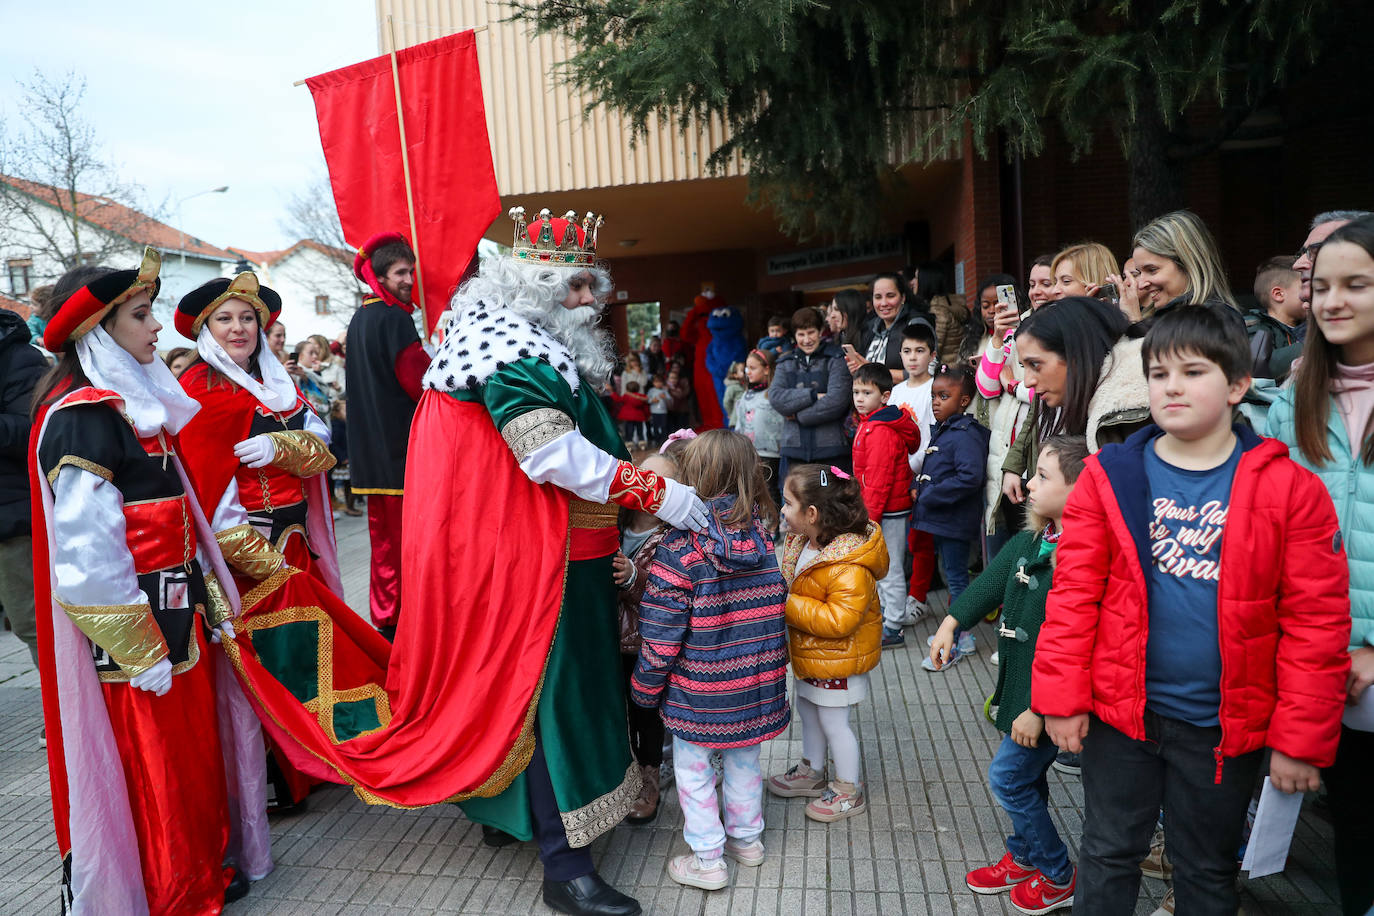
(1035, 867)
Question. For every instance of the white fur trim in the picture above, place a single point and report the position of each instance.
(483, 339)
(1121, 386)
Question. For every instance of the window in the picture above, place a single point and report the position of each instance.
(19, 270)
(321, 305)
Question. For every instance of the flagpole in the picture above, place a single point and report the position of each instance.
(405, 170)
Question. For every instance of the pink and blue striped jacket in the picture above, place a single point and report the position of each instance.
(712, 621)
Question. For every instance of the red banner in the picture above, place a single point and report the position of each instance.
(453, 182)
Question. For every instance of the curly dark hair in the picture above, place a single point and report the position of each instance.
(838, 500)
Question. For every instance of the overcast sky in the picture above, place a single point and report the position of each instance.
(187, 96)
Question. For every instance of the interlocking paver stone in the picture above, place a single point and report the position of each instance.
(925, 748)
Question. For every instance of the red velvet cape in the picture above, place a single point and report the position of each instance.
(485, 556)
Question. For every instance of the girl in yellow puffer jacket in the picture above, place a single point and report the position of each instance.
(832, 559)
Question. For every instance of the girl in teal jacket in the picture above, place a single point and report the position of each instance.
(1327, 420)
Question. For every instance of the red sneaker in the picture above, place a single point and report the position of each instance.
(993, 879)
(1038, 895)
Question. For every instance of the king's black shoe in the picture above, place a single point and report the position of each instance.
(497, 838)
(588, 895)
(238, 887)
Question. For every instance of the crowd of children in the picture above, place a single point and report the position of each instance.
(1190, 537)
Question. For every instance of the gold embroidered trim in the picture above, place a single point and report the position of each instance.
(290, 530)
(123, 677)
(529, 431)
(591, 820)
(586, 514)
(516, 761)
(326, 698)
(264, 588)
(127, 632)
(377, 491)
(301, 453)
(249, 552)
(77, 461)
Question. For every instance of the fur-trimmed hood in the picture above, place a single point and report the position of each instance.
(483, 340)
(1122, 394)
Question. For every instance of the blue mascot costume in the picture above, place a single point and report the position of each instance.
(727, 346)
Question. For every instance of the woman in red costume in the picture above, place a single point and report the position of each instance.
(257, 454)
(154, 756)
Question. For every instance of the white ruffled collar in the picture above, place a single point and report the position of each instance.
(482, 340)
(153, 399)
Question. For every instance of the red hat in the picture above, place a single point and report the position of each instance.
(362, 265)
(201, 302)
(85, 308)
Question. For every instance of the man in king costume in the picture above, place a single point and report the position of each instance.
(522, 472)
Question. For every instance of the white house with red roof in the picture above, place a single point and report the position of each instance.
(35, 225)
(316, 284)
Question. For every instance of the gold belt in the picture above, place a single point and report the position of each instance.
(593, 515)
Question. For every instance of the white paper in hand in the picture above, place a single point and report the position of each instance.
(1272, 834)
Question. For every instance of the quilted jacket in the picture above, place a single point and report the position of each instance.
(1283, 606)
(834, 617)
(882, 447)
(714, 653)
(1351, 486)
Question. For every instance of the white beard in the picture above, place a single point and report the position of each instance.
(516, 313)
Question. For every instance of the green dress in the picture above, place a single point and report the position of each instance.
(581, 719)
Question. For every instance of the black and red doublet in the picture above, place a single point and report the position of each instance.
(385, 365)
(124, 570)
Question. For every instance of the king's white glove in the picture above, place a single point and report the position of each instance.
(256, 452)
(157, 679)
(682, 508)
(224, 629)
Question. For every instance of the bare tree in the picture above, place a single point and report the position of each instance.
(311, 214)
(57, 192)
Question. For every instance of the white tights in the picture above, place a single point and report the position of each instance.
(829, 725)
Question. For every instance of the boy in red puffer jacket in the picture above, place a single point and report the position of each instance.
(1200, 613)
(885, 438)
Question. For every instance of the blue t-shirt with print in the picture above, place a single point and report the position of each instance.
(1187, 511)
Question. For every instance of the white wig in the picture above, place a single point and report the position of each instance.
(536, 292)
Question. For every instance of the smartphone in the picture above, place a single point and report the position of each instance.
(1006, 298)
(1109, 292)
(849, 349)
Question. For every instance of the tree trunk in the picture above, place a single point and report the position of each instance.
(1154, 181)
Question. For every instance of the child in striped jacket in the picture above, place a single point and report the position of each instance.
(713, 655)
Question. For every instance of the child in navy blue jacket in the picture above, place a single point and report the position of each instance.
(949, 498)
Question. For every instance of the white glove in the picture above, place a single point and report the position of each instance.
(224, 629)
(157, 679)
(682, 508)
(256, 452)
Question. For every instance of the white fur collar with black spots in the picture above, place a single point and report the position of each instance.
(482, 340)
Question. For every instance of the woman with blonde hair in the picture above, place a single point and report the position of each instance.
(1178, 263)
(1082, 269)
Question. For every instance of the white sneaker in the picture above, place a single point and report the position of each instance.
(750, 854)
(693, 872)
(915, 610)
(994, 659)
(967, 644)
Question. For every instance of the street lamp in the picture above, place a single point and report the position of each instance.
(182, 232)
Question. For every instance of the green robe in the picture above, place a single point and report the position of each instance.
(581, 716)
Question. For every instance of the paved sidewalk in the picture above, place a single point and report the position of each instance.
(925, 747)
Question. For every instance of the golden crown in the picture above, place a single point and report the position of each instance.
(561, 242)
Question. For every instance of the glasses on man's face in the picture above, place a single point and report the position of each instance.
(1309, 252)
